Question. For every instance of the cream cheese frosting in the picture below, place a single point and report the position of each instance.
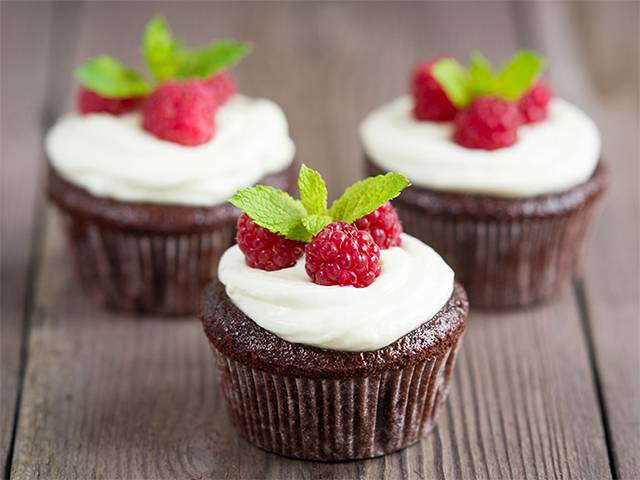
(415, 283)
(115, 157)
(549, 157)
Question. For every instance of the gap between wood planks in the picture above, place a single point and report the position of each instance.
(48, 111)
(585, 320)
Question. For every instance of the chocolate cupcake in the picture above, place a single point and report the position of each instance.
(343, 353)
(142, 172)
(506, 178)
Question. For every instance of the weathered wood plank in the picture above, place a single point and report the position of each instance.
(612, 271)
(605, 83)
(25, 56)
(611, 288)
(110, 396)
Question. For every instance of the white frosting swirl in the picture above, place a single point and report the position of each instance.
(549, 157)
(415, 283)
(115, 157)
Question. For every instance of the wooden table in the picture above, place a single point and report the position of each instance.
(547, 392)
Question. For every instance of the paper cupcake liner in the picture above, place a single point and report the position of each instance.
(162, 274)
(336, 419)
(509, 262)
(506, 252)
(144, 257)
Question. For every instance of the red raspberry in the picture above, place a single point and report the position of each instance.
(533, 105)
(88, 101)
(181, 112)
(488, 123)
(384, 226)
(430, 101)
(222, 86)
(343, 255)
(264, 249)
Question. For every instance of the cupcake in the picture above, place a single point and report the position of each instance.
(141, 172)
(506, 177)
(335, 333)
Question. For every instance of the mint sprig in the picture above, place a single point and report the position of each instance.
(313, 191)
(517, 76)
(166, 58)
(454, 80)
(218, 56)
(108, 77)
(511, 82)
(301, 219)
(270, 208)
(364, 196)
(162, 52)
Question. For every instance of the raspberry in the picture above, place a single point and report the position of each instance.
(222, 86)
(488, 123)
(430, 101)
(384, 226)
(533, 105)
(181, 112)
(343, 255)
(264, 249)
(88, 101)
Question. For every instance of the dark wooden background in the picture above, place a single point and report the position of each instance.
(548, 392)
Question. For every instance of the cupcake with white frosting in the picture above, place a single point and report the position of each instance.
(505, 176)
(334, 332)
(142, 171)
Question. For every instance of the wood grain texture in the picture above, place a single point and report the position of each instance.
(611, 294)
(114, 397)
(605, 83)
(110, 396)
(23, 77)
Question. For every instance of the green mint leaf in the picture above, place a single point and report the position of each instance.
(313, 190)
(454, 81)
(365, 196)
(270, 208)
(217, 56)
(162, 52)
(315, 223)
(299, 232)
(481, 76)
(108, 77)
(517, 76)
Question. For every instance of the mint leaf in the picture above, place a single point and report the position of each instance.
(162, 52)
(313, 190)
(217, 56)
(481, 76)
(517, 76)
(315, 223)
(108, 77)
(365, 196)
(270, 208)
(299, 232)
(454, 81)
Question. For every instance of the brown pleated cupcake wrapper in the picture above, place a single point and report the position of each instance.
(508, 262)
(163, 274)
(336, 419)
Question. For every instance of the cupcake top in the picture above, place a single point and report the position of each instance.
(186, 137)
(482, 132)
(316, 275)
(414, 283)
